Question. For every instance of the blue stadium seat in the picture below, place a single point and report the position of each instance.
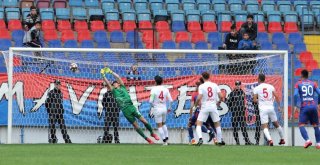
(75, 3)
(71, 44)
(12, 13)
(204, 5)
(10, 3)
(193, 15)
(258, 16)
(185, 45)
(116, 37)
(100, 36)
(262, 37)
(266, 46)
(278, 38)
(160, 13)
(240, 16)
(252, 6)
(91, 3)
(307, 19)
(201, 45)
(87, 44)
(112, 15)
(62, 13)
(107, 4)
(156, 5)
(214, 37)
(219, 5)
(294, 38)
(188, 5)
(267, 6)
(172, 5)
(274, 16)
(140, 5)
(46, 13)
(208, 16)
(131, 36)
(283, 46)
(169, 45)
(299, 47)
(94, 12)
(129, 15)
(79, 13)
(299, 6)
(5, 44)
(124, 5)
(25, 12)
(284, 6)
(235, 5)
(290, 16)
(104, 44)
(54, 44)
(17, 35)
(1, 13)
(144, 15)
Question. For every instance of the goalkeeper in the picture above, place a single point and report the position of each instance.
(123, 99)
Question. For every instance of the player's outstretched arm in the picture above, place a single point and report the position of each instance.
(103, 72)
(118, 78)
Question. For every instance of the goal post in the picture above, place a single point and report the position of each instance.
(39, 66)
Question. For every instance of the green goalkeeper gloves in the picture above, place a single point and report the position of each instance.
(105, 70)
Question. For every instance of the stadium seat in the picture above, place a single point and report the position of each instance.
(148, 36)
(219, 6)
(100, 36)
(50, 35)
(84, 35)
(87, 44)
(79, 13)
(80, 25)
(259, 19)
(64, 25)
(25, 12)
(43, 4)
(188, 5)
(129, 26)
(112, 15)
(305, 56)
(4, 34)
(193, 15)
(91, 3)
(59, 4)
(178, 21)
(47, 14)
(312, 65)
(14, 25)
(25, 4)
(169, 45)
(240, 18)
(278, 38)
(116, 37)
(182, 36)
(113, 26)
(283, 46)
(132, 37)
(208, 21)
(262, 37)
(172, 5)
(267, 6)
(194, 26)
(291, 19)
(235, 5)
(2, 24)
(284, 6)
(201, 45)
(124, 5)
(162, 26)
(17, 35)
(197, 36)
(143, 15)
(204, 5)
(48, 25)
(224, 23)
(185, 45)
(274, 19)
(103, 45)
(299, 6)
(63, 13)
(71, 44)
(67, 35)
(165, 36)
(5, 44)
(145, 25)
(107, 5)
(294, 38)
(266, 46)
(75, 3)
(140, 5)
(214, 37)
(307, 19)
(95, 12)
(12, 13)
(96, 26)
(274, 27)
(252, 5)
(54, 44)
(156, 5)
(299, 47)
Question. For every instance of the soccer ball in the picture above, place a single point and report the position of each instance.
(73, 67)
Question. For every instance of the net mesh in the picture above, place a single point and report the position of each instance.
(87, 119)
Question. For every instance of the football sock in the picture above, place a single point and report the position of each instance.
(190, 131)
(211, 130)
(304, 133)
(280, 130)
(149, 128)
(219, 134)
(165, 130)
(317, 134)
(267, 134)
(160, 129)
(140, 132)
(204, 129)
(199, 133)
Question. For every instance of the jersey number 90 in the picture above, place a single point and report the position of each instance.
(307, 90)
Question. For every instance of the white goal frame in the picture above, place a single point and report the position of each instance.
(20, 49)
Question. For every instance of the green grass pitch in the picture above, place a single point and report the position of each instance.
(130, 154)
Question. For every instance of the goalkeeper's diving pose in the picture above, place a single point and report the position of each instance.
(124, 101)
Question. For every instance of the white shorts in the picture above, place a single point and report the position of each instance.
(205, 113)
(266, 114)
(160, 116)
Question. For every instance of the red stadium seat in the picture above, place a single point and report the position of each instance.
(165, 36)
(50, 35)
(182, 36)
(152, 45)
(162, 26)
(312, 65)
(198, 36)
(305, 57)
(145, 25)
(209, 27)
(64, 25)
(225, 26)
(194, 26)
(48, 25)
(84, 35)
(261, 27)
(147, 36)
(274, 27)
(297, 72)
(290, 27)
(2, 24)
(14, 25)
(129, 26)
(80, 25)
(238, 25)
(113, 26)
(96, 26)
(67, 35)
(4, 34)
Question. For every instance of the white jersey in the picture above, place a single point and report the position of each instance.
(159, 96)
(209, 92)
(265, 96)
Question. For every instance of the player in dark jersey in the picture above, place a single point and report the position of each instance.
(305, 91)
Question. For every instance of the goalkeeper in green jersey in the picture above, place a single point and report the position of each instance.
(123, 99)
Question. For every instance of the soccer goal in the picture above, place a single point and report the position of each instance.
(32, 74)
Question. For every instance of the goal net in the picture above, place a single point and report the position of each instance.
(87, 116)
